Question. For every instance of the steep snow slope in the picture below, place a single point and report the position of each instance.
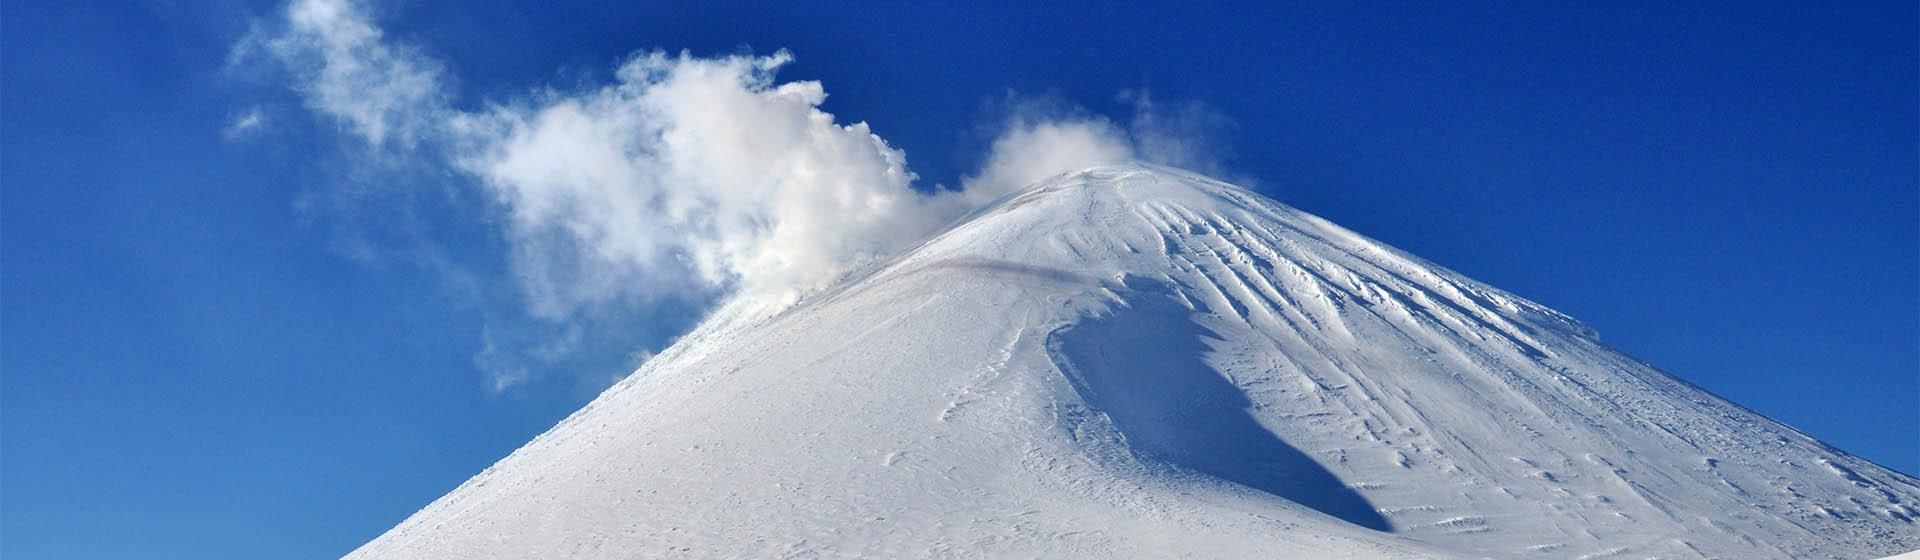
(1134, 360)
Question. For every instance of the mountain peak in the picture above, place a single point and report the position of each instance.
(1137, 360)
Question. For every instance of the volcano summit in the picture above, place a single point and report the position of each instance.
(1138, 361)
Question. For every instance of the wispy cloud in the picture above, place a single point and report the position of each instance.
(1187, 134)
(343, 67)
(686, 177)
(244, 124)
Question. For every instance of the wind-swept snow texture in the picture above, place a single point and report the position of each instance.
(1136, 361)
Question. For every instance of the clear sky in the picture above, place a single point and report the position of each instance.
(224, 334)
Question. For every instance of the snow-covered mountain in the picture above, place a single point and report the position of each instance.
(1136, 361)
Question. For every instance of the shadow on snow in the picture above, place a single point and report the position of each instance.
(1143, 367)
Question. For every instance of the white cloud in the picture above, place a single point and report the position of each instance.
(1189, 134)
(689, 175)
(344, 68)
(244, 124)
(502, 367)
(1043, 136)
(1030, 150)
(686, 177)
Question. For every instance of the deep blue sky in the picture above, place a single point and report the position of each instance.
(191, 366)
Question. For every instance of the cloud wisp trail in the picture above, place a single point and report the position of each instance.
(685, 177)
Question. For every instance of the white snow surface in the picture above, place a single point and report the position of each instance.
(1137, 361)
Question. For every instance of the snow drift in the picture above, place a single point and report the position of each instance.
(1137, 361)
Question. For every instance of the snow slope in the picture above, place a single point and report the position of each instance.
(1138, 361)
